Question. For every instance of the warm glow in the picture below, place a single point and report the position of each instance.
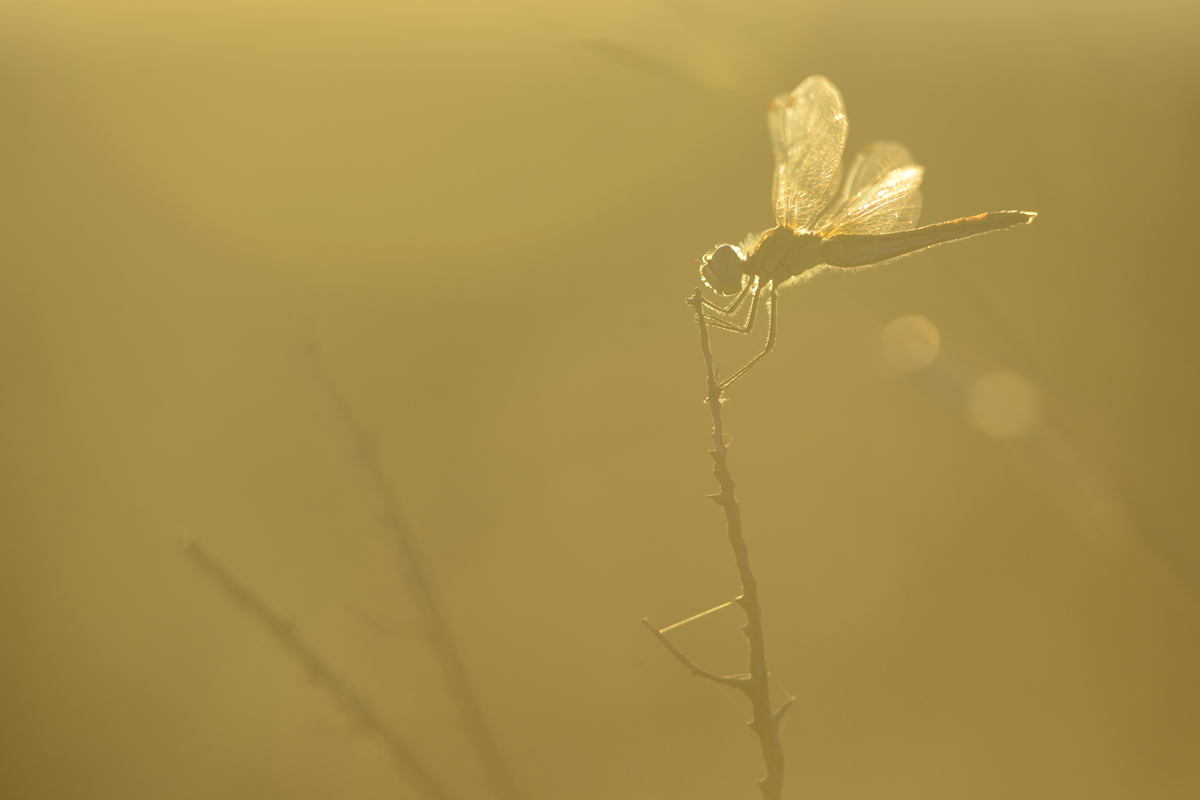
(1004, 405)
(910, 343)
(486, 217)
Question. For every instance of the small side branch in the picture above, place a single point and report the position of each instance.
(736, 681)
(346, 698)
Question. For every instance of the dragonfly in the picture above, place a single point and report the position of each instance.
(825, 216)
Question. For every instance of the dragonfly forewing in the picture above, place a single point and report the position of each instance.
(808, 132)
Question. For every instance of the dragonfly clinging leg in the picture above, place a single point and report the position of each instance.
(733, 308)
(723, 318)
(771, 327)
(868, 219)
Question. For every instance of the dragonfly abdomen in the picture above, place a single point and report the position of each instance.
(853, 250)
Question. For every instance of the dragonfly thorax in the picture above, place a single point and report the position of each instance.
(783, 253)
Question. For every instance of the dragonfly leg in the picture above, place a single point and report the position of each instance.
(770, 304)
(733, 307)
(729, 325)
(719, 325)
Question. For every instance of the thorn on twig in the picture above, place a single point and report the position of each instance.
(779, 712)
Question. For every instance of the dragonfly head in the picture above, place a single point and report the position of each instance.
(722, 269)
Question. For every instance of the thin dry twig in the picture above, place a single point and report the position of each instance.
(343, 695)
(736, 681)
(765, 721)
(437, 630)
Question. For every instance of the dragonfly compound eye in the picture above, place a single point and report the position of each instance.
(722, 270)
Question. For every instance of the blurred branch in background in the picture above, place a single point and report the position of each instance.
(678, 40)
(755, 685)
(437, 631)
(343, 695)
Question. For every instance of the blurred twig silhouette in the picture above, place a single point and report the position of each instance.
(765, 722)
(343, 695)
(437, 631)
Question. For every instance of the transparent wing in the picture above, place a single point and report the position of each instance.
(808, 130)
(872, 164)
(882, 194)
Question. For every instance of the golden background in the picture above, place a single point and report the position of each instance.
(486, 218)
